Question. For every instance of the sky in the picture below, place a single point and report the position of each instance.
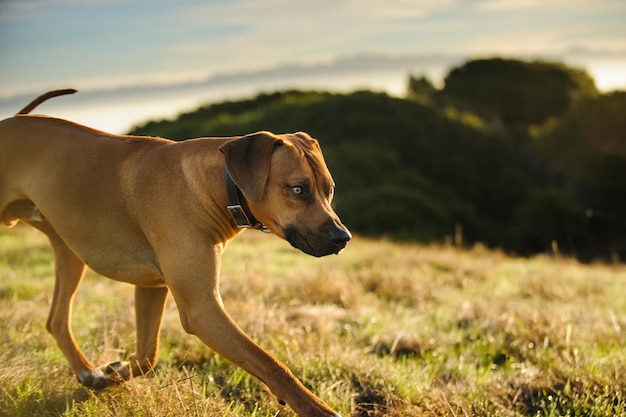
(106, 44)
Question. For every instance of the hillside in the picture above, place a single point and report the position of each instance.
(455, 164)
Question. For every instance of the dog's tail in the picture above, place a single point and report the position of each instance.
(50, 94)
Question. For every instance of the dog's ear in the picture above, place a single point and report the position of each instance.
(248, 162)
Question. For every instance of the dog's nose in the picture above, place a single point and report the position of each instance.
(340, 237)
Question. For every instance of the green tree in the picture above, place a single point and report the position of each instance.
(516, 92)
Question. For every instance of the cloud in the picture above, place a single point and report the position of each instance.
(512, 5)
(538, 5)
(259, 34)
(393, 9)
(106, 42)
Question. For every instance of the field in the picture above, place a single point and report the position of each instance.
(384, 329)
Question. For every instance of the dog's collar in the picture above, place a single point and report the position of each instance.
(243, 219)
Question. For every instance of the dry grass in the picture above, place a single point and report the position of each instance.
(382, 330)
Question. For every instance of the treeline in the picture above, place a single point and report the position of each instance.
(526, 156)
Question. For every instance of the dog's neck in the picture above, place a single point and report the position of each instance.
(242, 217)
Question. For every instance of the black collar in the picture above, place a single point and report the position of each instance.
(243, 219)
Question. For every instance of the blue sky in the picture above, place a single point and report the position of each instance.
(106, 43)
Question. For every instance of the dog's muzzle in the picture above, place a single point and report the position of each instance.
(340, 238)
(326, 241)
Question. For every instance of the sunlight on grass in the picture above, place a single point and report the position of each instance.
(384, 329)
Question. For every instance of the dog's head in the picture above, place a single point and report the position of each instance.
(288, 188)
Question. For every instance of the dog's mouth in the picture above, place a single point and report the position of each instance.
(328, 241)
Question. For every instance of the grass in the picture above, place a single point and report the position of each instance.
(384, 329)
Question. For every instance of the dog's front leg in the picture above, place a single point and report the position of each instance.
(202, 313)
(149, 306)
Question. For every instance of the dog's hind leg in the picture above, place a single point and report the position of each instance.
(149, 304)
(69, 272)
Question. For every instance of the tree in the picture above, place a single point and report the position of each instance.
(420, 88)
(516, 92)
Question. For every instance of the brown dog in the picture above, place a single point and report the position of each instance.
(158, 214)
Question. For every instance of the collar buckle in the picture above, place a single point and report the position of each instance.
(241, 219)
(239, 216)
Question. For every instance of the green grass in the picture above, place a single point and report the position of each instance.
(384, 329)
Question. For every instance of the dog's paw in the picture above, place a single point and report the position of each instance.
(92, 378)
(107, 375)
(116, 372)
(116, 368)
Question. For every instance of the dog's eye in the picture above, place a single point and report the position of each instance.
(300, 190)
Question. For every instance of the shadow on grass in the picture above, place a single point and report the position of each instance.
(31, 399)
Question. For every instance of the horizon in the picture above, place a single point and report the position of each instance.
(118, 109)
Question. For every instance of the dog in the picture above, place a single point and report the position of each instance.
(158, 214)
